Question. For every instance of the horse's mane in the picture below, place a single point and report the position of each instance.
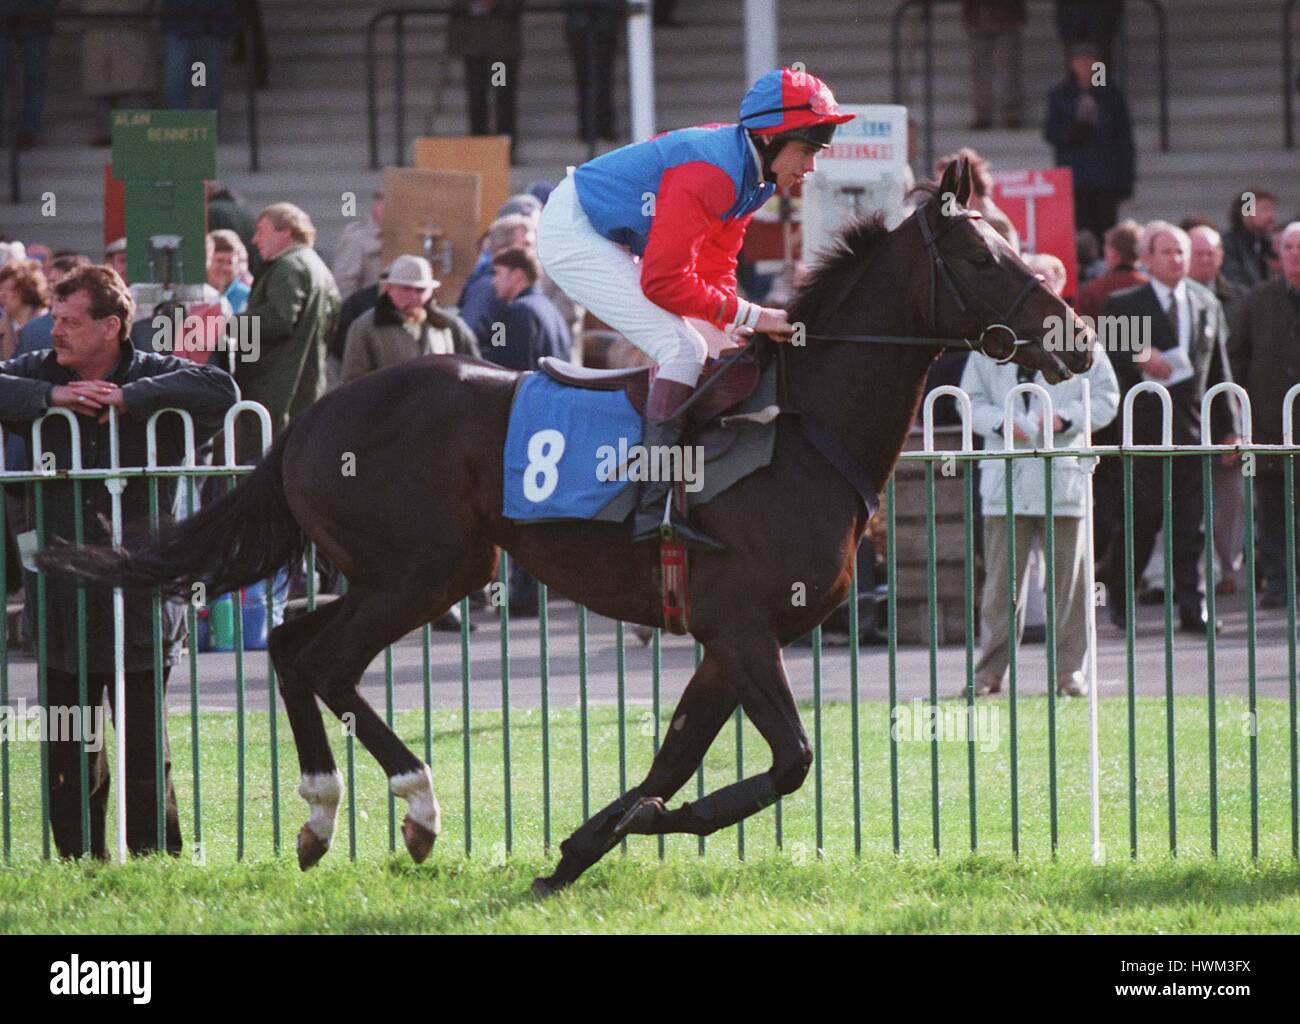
(854, 246)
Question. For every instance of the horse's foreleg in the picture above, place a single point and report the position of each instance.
(704, 707)
(757, 670)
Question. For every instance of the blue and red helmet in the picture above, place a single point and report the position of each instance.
(794, 104)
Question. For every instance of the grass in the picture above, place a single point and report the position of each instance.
(785, 888)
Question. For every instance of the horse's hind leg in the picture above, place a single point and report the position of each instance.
(754, 664)
(704, 707)
(320, 783)
(369, 619)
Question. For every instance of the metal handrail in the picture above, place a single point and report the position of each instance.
(150, 19)
(398, 15)
(1288, 83)
(927, 6)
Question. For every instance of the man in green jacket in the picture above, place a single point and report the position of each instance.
(291, 314)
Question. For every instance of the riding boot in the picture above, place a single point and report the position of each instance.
(655, 494)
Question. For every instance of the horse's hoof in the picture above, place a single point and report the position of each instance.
(638, 820)
(311, 848)
(544, 887)
(419, 840)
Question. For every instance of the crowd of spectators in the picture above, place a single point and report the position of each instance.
(73, 336)
(1209, 307)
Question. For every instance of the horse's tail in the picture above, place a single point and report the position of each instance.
(244, 536)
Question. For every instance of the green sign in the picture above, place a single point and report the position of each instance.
(164, 157)
(165, 144)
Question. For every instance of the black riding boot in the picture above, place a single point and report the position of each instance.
(654, 495)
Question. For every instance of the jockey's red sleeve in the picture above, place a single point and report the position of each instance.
(689, 263)
(716, 262)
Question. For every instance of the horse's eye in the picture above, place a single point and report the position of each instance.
(982, 260)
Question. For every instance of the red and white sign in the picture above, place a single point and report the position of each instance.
(1040, 204)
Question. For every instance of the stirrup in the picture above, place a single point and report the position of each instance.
(670, 530)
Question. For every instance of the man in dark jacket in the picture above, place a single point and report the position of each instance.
(1089, 130)
(227, 210)
(93, 367)
(1265, 356)
(1188, 354)
(530, 326)
(1248, 245)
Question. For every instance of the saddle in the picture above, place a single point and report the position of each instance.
(718, 390)
(722, 386)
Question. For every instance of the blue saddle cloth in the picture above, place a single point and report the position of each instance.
(560, 445)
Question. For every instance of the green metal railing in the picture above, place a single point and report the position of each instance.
(1018, 797)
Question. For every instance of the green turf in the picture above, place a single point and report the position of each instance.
(777, 889)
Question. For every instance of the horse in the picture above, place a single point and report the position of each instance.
(418, 523)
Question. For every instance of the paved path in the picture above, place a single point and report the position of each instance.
(217, 671)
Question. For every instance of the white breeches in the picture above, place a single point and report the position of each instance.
(606, 278)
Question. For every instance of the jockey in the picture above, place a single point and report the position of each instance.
(646, 237)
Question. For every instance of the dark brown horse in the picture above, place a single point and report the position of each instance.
(419, 524)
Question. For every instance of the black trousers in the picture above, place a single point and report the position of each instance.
(1270, 526)
(141, 793)
(1107, 500)
(593, 74)
(1095, 209)
(478, 86)
(1148, 517)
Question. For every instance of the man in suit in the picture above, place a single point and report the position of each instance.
(1090, 132)
(1265, 358)
(1120, 248)
(1187, 330)
(1229, 490)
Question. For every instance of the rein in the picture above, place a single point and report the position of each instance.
(939, 271)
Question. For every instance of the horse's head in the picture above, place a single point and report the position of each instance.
(981, 290)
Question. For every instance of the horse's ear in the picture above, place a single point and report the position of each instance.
(964, 186)
(949, 184)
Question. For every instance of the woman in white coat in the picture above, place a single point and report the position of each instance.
(988, 385)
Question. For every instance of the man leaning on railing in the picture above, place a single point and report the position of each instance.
(93, 367)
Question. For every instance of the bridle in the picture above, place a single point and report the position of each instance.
(939, 271)
(960, 292)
